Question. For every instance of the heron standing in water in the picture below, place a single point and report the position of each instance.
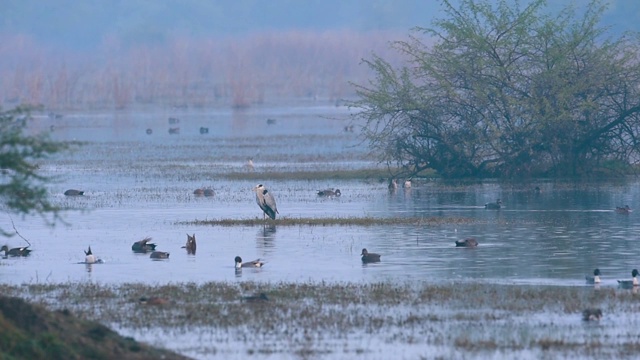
(266, 201)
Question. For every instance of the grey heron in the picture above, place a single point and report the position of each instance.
(266, 201)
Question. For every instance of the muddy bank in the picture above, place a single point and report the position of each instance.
(346, 320)
(33, 332)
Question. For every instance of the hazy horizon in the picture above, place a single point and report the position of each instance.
(114, 54)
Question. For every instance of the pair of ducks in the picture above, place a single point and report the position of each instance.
(627, 284)
(393, 184)
(366, 257)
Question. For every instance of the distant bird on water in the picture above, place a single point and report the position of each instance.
(266, 201)
(143, 246)
(623, 209)
(191, 244)
(592, 315)
(255, 263)
(628, 284)
(89, 257)
(368, 257)
(329, 192)
(494, 206)
(159, 255)
(393, 185)
(20, 251)
(468, 242)
(73, 192)
(595, 279)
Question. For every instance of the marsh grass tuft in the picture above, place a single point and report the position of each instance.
(336, 221)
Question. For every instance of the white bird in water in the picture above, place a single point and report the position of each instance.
(89, 257)
(266, 201)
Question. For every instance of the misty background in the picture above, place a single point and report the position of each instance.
(67, 54)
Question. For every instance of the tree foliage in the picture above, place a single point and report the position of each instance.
(505, 91)
(22, 188)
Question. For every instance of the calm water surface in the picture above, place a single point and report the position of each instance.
(140, 185)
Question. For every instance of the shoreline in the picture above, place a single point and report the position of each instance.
(323, 319)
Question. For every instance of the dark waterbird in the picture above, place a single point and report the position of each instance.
(592, 314)
(191, 244)
(159, 255)
(494, 205)
(623, 209)
(595, 279)
(256, 298)
(329, 192)
(628, 284)
(152, 300)
(266, 201)
(143, 246)
(74, 192)
(368, 257)
(468, 242)
(19, 251)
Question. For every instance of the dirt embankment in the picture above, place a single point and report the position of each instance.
(31, 332)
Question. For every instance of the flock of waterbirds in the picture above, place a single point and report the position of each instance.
(267, 203)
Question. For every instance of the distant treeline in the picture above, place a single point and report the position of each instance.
(237, 71)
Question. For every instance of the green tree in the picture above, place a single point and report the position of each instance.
(22, 189)
(504, 91)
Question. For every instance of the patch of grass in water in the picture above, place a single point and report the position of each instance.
(338, 174)
(337, 221)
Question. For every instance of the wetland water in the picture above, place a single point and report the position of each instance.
(138, 185)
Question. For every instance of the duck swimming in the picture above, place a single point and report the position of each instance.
(19, 251)
(595, 279)
(628, 284)
(468, 242)
(255, 263)
(494, 206)
(368, 257)
(159, 255)
(592, 315)
(623, 209)
(329, 192)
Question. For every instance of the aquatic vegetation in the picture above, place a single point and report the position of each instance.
(325, 318)
(340, 221)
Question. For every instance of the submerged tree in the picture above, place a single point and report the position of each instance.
(22, 189)
(505, 91)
